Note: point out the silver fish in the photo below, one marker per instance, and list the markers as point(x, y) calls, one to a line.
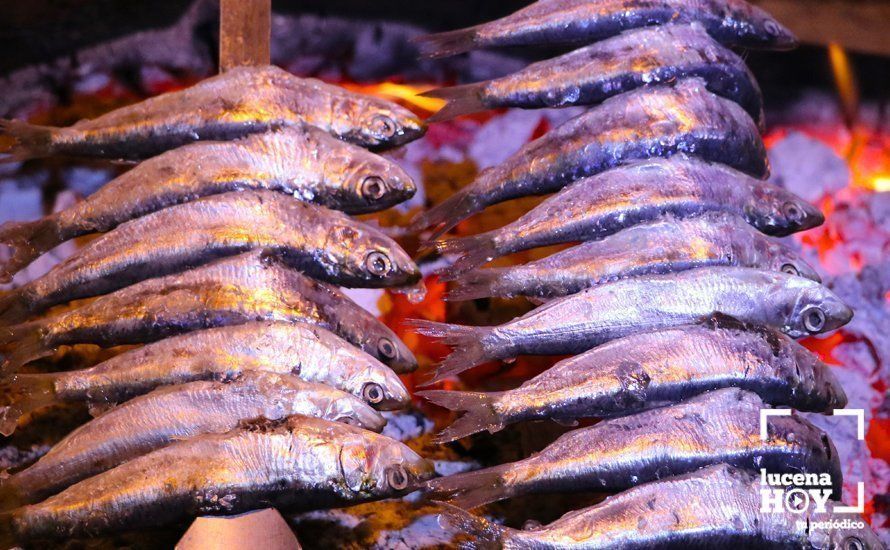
point(651, 369)
point(639, 57)
point(595, 207)
point(576, 323)
point(172, 413)
point(732, 22)
point(308, 352)
point(722, 426)
point(660, 121)
point(716, 507)
point(324, 244)
point(255, 286)
point(665, 245)
point(242, 101)
point(301, 161)
point(299, 463)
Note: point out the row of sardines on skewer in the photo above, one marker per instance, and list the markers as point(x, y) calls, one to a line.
point(679, 307)
point(254, 381)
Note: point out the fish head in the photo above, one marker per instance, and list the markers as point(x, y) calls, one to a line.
point(813, 447)
point(815, 309)
point(364, 257)
point(376, 183)
point(821, 390)
point(753, 27)
point(776, 211)
point(375, 466)
point(829, 530)
point(381, 124)
point(781, 257)
point(370, 380)
point(355, 412)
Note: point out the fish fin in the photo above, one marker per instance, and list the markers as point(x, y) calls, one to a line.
point(446, 44)
point(14, 307)
point(474, 251)
point(462, 100)
point(469, 349)
point(27, 241)
point(32, 141)
point(446, 214)
point(473, 489)
point(487, 535)
point(32, 392)
point(24, 342)
point(478, 409)
point(475, 284)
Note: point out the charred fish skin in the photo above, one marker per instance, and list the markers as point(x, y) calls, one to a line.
point(172, 413)
point(310, 352)
point(660, 121)
point(717, 427)
point(652, 369)
point(255, 286)
point(716, 507)
point(665, 245)
point(601, 205)
point(324, 244)
point(576, 323)
point(239, 102)
point(732, 22)
point(298, 463)
point(636, 58)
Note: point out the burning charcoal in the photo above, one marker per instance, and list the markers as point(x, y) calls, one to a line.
point(807, 167)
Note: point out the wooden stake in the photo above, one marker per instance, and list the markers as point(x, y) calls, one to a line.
point(244, 33)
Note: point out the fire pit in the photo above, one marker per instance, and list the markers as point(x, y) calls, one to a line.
point(827, 129)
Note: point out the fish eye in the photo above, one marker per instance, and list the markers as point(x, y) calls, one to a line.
point(373, 188)
point(790, 269)
point(397, 477)
point(378, 263)
point(372, 392)
point(772, 27)
point(384, 126)
point(813, 319)
point(853, 543)
point(387, 348)
point(792, 212)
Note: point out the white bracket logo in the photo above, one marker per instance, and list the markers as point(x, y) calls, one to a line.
point(860, 435)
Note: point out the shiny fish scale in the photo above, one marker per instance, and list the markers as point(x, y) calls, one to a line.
point(242, 101)
point(217, 226)
point(716, 507)
point(310, 352)
point(233, 291)
point(662, 246)
point(178, 412)
point(733, 22)
point(297, 464)
point(718, 427)
point(595, 315)
point(645, 56)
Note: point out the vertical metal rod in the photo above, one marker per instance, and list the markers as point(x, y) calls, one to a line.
point(244, 33)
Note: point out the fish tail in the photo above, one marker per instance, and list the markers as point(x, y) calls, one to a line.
point(486, 535)
point(446, 44)
point(27, 241)
point(31, 141)
point(21, 344)
point(32, 392)
point(474, 251)
point(446, 214)
point(469, 347)
point(462, 100)
point(473, 489)
point(475, 284)
point(14, 307)
point(478, 408)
